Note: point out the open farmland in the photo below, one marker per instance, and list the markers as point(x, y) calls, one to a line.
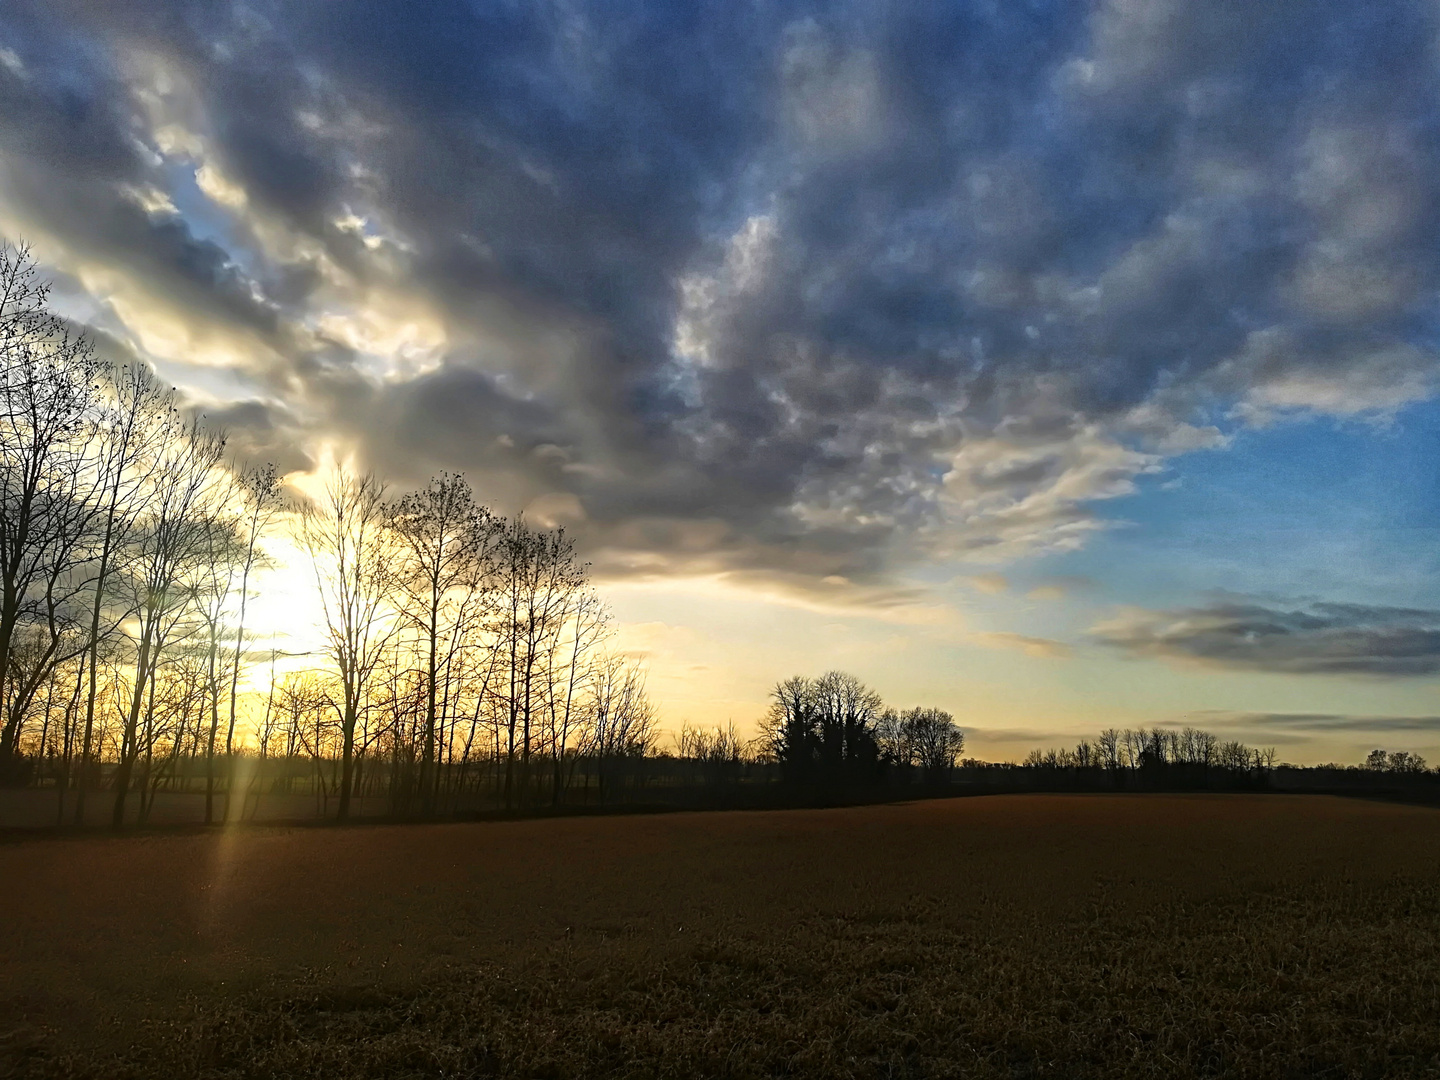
point(1037, 935)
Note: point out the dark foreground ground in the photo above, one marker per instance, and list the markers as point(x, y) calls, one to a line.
point(1013, 936)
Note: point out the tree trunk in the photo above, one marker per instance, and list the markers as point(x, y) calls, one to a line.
point(214, 688)
point(347, 768)
point(128, 738)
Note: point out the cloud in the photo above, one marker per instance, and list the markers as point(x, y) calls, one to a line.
point(1321, 722)
point(1028, 488)
point(1059, 587)
point(1312, 639)
point(1043, 648)
point(790, 293)
point(258, 431)
point(1046, 592)
point(1026, 738)
point(990, 584)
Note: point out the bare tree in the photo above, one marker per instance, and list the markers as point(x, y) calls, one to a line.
point(587, 622)
point(267, 731)
point(261, 500)
point(538, 578)
point(934, 740)
point(171, 545)
point(176, 700)
point(719, 753)
point(1108, 749)
point(622, 720)
point(25, 319)
point(136, 420)
point(442, 580)
point(351, 550)
point(224, 554)
point(48, 398)
point(308, 722)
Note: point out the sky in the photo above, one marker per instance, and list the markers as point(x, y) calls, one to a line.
point(1060, 365)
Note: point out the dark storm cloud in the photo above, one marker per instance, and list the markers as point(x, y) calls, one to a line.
point(1316, 639)
point(259, 432)
point(820, 287)
point(73, 162)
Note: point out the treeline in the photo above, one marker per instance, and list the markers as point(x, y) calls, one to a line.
point(1159, 756)
point(1401, 762)
point(1164, 759)
point(1152, 758)
point(463, 652)
point(466, 653)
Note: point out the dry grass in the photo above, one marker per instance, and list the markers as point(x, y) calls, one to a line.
point(1106, 936)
